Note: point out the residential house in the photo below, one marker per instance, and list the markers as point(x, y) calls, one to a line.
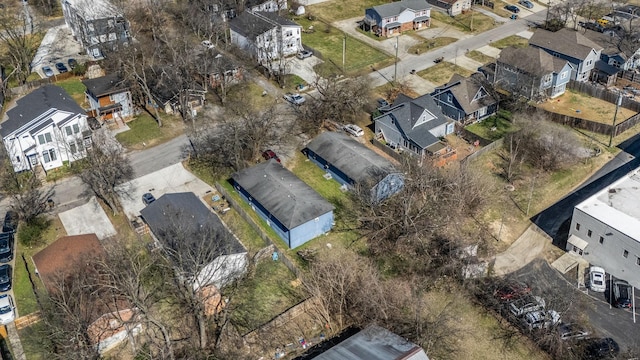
point(396, 17)
point(183, 225)
point(466, 100)
point(414, 125)
point(453, 7)
point(618, 54)
point(171, 96)
point(109, 323)
point(46, 128)
point(605, 229)
point(267, 37)
point(265, 5)
point(532, 73)
point(109, 98)
point(295, 211)
point(572, 46)
point(98, 25)
point(350, 162)
point(371, 343)
point(221, 70)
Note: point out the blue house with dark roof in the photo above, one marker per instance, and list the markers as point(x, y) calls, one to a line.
point(295, 211)
point(350, 162)
point(414, 125)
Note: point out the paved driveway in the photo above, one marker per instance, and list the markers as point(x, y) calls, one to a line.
point(172, 179)
point(57, 45)
point(87, 219)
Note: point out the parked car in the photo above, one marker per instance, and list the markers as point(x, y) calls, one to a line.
point(591, 26)
point(6, 247)
point(7, 309)
point(148, 198)
point(597, 280)
point(354, 130)
point(270, 154)
point(511, 291)
point(526, 3)
point(540, 319)
point(304, 54)
point(72, 63)
point(48, 72)
point(514, 9)
point(295, 99)
point(569, 331)
point(526, 304)
point(61, 68)
point(10, 223)
point(621, 294)
point(6, 273)
point(605, 348)
point(207, 44)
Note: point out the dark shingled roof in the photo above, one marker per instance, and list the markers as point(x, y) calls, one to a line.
point(395, 8)
point(250, 24)
point(37, 103)
point(564, 41)
point(282, 194)
point(465, 89)
point(532, 60)
point(105, 85)
point(181, 214)
point(351, 157)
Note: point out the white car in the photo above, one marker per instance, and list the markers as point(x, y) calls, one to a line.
point(540, 319)
point(295, 99)
point(597, 280)
point(207, 44)
point(7, 309)
point(354, 130)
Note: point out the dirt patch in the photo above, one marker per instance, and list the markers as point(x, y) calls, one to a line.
point(585, 107)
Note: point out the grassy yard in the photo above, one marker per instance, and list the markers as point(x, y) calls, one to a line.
point(471, 22)
point(585, 107)
point(76, 89)
point(479, 57)
point(442, 72)
point(251, 94)
point(513, 40)
point(342, 9)
point(144, 131)
point(493, 127)
point(30, 337)
point(431, 44)
point(328, 41)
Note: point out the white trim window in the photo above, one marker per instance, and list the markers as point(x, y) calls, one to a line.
point(49, 156)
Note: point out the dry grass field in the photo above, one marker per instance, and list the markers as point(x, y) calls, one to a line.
point(585, 107)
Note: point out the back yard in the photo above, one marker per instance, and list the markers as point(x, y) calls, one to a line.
point(582, 106)
point(342, 9)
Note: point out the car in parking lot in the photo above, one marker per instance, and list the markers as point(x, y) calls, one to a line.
point(72, 63)
point(597, 279)
point(61, 68)
point(621, 294)
point(10, 223)
point(7, 309)
point(295, 99)
point(207, 44)
point(48, 72)
point(6, 247)
point(526, 3)
point(354, 130)
point(591, 26)
point(571, 331)
point(6, 273)
point(526, 304)
point(270, 154)
point(304, 54)
point(514, 9)
point(540, 319)
point(511, 291)
point(148, 198)
point(592, 349)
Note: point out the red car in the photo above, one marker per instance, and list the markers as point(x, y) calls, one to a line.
point(511, 291)
point(269, 154)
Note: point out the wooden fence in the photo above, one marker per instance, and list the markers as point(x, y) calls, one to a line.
point(387, 150)
point(484, 149)
point(26, 88)
point(603, 93)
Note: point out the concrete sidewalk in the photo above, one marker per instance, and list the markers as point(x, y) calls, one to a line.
point(529, 246)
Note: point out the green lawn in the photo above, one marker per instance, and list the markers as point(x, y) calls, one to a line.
point(243, 230)
point(342, 9)
point(479, 57)
point(513, 40)
point(75, 88)
point(471, 22)
point(442, 72)
point(327, 42)
point(493, 127)
point(144, 131)
point(31, 339)
point(250, 93)
point(431, 44)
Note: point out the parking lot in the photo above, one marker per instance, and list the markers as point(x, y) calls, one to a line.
point(57, 45)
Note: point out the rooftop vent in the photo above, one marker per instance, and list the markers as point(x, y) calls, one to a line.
point(612, 191)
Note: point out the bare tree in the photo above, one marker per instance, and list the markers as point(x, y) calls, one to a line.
point(16, 31)
point(30, 199)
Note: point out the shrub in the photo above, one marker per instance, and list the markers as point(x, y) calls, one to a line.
point(30, 233)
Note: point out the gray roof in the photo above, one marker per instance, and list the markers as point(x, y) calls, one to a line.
point(612, 44)
point(374, 343)
point(105, 85)
point(465, 89)
point(282, 194)
point(564, 41)
point(185, 213)
point(250, 24)
point(37, 103)
point(531, 60)
point(395, 8)
point(95, 9)
point(406, 112)
point(355, 160)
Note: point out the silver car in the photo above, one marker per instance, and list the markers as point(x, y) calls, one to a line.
point(295, 99)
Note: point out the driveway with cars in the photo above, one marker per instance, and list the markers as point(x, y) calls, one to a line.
point(57, 45)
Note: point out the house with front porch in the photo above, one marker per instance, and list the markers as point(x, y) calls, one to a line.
point(109, 98)
point(396, 17)
point(45, 129)
point(466, 100)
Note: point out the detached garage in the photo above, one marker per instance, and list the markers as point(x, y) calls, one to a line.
point(295, 211)
point(350, 162)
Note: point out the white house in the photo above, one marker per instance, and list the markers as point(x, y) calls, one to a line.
point(605, 229)
point(46, 128)
point(265, 5)
point(266, 36)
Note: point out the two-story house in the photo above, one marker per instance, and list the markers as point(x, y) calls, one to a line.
point(466, 100)
point(618, 54)
point(109, 97)
point(46, 127)
point(532, 73)
point(98, 25)
point(396, 17)
point(266, 36)
point(572, 46)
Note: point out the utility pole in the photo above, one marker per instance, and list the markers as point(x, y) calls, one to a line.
point(613, 127)
point(395, 70)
